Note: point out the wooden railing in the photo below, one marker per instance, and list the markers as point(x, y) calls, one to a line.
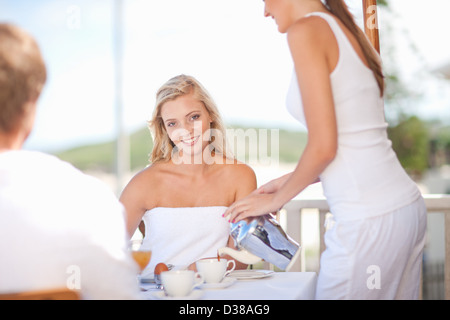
point(293, 223)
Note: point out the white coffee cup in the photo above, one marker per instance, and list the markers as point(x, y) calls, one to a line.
point(214, 270)
point(180, 283)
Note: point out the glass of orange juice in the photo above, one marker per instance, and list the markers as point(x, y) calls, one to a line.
point(140, 254)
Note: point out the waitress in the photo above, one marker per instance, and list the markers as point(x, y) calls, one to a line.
point(374, 248)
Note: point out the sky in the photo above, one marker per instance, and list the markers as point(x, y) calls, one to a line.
point(236, 53)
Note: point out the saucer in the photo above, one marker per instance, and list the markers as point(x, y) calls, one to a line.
point(251, 274)
point(194, 295)
point(226, 282)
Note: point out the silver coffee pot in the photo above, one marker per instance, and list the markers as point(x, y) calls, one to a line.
point(262, 238)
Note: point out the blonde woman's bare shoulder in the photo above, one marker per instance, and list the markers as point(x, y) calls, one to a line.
point(149, 174)
point(238, 167)
point(242, 173)
point(141, 188)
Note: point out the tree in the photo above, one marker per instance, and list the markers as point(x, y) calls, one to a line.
point(410, 135)
point(410, 140)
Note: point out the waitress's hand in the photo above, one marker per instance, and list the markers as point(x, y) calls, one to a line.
point(255, 204)
point(272, 186)
point(269, 187)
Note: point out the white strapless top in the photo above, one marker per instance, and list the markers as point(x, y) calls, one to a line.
point(181, 236)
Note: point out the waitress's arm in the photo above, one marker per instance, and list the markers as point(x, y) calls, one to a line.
point(312, 66)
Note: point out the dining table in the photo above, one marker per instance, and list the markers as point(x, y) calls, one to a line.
point(247, 285)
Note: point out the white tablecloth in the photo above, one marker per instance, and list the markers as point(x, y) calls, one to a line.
point(277, 286)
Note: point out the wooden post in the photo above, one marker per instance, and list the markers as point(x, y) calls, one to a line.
point(371, 22)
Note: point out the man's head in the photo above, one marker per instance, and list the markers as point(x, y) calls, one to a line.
point(22, 77)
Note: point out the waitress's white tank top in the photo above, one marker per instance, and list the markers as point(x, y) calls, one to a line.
point(365, 179)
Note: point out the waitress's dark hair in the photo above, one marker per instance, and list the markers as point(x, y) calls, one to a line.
point(340, 10)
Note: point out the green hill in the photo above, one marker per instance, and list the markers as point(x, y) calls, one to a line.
point(101, 156)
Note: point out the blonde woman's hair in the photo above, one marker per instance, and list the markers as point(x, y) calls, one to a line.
point(339, 9)
point(178, 86)
point(22, 75)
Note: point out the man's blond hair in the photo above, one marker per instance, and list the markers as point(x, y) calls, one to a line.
point(22, 75)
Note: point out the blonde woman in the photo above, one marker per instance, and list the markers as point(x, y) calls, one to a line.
point(191, 181)
point(374, 249)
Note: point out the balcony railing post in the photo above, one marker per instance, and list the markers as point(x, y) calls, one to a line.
point(322, 229)
point(294, 230)
point(447, 256)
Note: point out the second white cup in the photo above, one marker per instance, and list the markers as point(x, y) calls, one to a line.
point(213, 271)
point(180, 283)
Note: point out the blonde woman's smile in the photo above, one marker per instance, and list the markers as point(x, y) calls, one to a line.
point(191, 141)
